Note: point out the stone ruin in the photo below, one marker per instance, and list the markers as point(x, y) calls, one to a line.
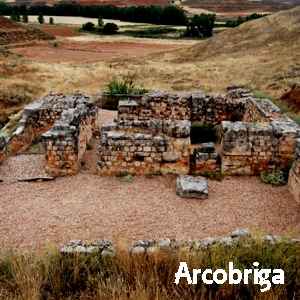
point(2, 149)
point(65, 123)
point(152, 135)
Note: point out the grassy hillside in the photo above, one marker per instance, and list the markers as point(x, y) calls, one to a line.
point(262, 55)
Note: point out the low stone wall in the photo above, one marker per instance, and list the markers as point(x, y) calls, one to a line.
point(250, 148)
point(240, 237)
point(204, 159)
point(294, 176)
point(158, 106)
point(195, 107)
point(66, 142)
point(145, 147)
point(217, 108)
point(40, 116)
point(2, 149)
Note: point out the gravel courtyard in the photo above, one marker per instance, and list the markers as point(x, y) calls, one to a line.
point(89, 207)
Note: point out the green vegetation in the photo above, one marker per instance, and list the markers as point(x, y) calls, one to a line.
point(15, 16)
point(274, 178)
point(100, 22)
point(25, 18)
point(169, 15)
point(211, 175)
point(200, 26)
point(51, 21)
point(153, 32)
point(202, 133)
point(41, 18)
point(89, 146)
point(110, 28)
point(52, 275)
point(125, 86)
point(89, 26)
point(240, 20)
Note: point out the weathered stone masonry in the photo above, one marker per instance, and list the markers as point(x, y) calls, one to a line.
point(2, 149)
point(294, 176)
point(255, 136)
point(145, 147)
point(66, 141)
point(66, 124)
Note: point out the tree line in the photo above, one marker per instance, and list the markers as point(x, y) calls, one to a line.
point(169, 15)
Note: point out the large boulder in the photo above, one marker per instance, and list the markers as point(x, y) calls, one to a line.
point(192, 187)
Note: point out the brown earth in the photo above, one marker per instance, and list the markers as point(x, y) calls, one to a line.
point(218, 6)
point(12, 32)
point(91, 51)
point(59, 31)
point(292, 97)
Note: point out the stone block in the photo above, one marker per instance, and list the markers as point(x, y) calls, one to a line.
point(192, 187)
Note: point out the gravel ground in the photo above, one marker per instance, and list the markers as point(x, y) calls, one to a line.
point(90, 207)
point(23, 167)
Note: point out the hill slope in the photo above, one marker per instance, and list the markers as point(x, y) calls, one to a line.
point(242, 5)
point(262, 54)
point(12, 32)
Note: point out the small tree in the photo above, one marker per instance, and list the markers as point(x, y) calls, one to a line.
point(18, 17)
point(100, 22)
point(25, 18)
point(13, 16)
point(51, 21)
point(110, 28)
point(89, 26)
point(41, 18)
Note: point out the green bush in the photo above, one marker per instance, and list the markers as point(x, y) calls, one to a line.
point(202, 133)
point(89, 26)
point(274, 178)
point(125, 86)
point(110, 28)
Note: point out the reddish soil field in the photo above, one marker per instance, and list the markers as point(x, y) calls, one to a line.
point(91, 51)
point(59, 31)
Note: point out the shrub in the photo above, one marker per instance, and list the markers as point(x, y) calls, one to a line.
point(202, 133)
point(110, 28)
point(125, 86)
point(51, 21)
point(89, 26)
point(41, 18)
point(89, 146)
point(274, 178)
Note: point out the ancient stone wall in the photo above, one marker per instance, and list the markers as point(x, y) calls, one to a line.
point(195, 107)
point(145, 147)
point(66, 141)
point(204, 159)
point(255, 135)
point(2, 149)
point(248, 148)
point(40, 116)
point(217, 108)
point(294, 176)
point(158, 106)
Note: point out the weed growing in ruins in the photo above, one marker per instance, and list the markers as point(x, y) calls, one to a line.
point(127, 178)
point(125, 86)
point(89, 146)
point(274, 178)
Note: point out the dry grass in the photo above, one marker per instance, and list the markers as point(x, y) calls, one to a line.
point(261, 55)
